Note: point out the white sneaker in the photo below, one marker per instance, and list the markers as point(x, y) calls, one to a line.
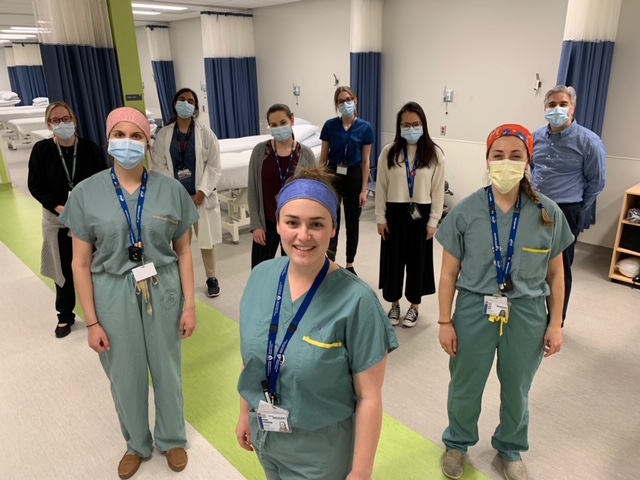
point(394, 315)
point(515, 470)
point(411, 318)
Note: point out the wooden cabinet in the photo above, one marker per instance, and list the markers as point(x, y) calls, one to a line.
point(628, 236)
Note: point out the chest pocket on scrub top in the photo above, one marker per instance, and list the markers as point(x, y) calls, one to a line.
point(533, 263)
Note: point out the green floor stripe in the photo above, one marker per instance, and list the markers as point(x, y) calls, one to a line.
point(211, 365)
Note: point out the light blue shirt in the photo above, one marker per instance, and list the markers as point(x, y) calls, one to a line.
point(568, 166)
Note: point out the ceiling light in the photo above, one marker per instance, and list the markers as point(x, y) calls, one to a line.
point(19, 32)
point(158, 7)
point(25, 29)
point(16, 37)
point(135, 12)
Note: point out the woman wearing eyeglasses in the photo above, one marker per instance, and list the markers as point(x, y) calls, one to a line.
point(346, 148)
point(56, 165)
point(409, 203)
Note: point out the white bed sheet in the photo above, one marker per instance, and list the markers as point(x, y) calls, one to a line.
point(301, 133)
point(42, 134)
point(235, 170)
point(26, 125)
point(11, 113)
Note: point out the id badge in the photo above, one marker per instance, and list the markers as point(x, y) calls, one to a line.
point(341, 169)
point(498, 306)
point(144, 271)
point(414, 213)
point(184, 174)
point(272, 418)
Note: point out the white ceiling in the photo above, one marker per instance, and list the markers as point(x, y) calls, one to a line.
point(20, 13)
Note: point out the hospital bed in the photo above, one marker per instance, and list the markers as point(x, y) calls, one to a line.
point(13, 113)
point(22, 129)
point(235, 154)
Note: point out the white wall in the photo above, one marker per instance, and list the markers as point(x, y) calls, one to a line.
point(303, 43)
point(188, 60)
point(151, 101)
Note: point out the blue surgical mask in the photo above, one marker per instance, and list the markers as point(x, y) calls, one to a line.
point(281, 133)
point(347, 108)
point(412, 135)
point(64, 130)
point(184, 109)
point(557, 116)
point(127, 152)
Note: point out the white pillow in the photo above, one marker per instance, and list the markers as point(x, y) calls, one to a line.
point(302, 132)
point(302, 121)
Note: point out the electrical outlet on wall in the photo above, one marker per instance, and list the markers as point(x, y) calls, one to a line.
point(443, 130)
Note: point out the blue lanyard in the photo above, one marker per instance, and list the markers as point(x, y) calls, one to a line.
point(503, 275)
point(346, 143)
point(411, 173)
point(125, 209)
point(283, 178)
point(273, 363)
point(182, 146)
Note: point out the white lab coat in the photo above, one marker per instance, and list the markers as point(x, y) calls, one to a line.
point(208, 173)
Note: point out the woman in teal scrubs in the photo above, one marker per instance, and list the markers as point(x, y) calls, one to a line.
point(312, 407)
point(136, 289)
point(500, 307)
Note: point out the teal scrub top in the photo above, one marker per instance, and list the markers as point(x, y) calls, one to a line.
point(345, 331)
point(94, 214)
point(466, 234)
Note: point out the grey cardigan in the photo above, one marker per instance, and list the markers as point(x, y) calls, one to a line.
point(256, 202)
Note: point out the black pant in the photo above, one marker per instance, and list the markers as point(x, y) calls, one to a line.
point(572, 213)
point(260, 253)
point(65, 296)
point(348, 188)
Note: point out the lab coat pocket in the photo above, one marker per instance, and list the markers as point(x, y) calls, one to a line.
point(533, 263)
point(211, 202)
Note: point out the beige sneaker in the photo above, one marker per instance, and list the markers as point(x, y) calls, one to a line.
point(515, 470)
point(453, 464)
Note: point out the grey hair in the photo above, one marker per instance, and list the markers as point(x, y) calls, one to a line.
point(562, 89)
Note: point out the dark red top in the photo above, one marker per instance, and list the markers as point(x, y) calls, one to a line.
point(271, 182)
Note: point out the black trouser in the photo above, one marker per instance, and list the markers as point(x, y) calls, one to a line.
point(260, 253)
point(348, 188)
point(65, 296)
point(572, 214)
point(406, 248)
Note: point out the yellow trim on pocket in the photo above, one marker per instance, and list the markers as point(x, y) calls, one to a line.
point(536, 250)
point(321, 344)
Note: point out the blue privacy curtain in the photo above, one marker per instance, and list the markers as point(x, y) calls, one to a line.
point(231, 73)
point(162, 64)
point(11, 69)
point(29, 75)
point(366, 68)
point(585, 62)
point(79, 61)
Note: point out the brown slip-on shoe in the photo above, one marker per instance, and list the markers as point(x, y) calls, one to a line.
point(129, 465)
point(177, 459)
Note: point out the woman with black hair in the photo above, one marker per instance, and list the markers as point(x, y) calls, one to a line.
point(409, 203)
point(188, 151)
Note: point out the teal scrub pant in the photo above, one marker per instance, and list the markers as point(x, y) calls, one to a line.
point(141, 343)
point(326, 453)
point(520, 350)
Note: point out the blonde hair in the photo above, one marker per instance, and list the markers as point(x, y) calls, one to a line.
point(528, 190)
point(52, 105)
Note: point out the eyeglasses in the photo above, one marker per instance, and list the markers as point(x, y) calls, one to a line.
point(348, 99)
point(56, 121)
point(407, 126)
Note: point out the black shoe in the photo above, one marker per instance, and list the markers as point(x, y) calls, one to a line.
point(62, 332)
point(213, 289)
point(352, 270)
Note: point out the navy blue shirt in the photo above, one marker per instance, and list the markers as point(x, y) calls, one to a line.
point(353, 139)
point(188, 159)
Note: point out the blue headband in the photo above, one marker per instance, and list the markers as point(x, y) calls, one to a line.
point(311, 190)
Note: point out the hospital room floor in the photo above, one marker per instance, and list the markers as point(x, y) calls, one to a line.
point(59, 422)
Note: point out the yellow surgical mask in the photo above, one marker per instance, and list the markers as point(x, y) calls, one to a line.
point(505, 174)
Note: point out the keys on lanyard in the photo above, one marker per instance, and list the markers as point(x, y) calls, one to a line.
point(504, 279)
point(136, 250)
point(274, 361)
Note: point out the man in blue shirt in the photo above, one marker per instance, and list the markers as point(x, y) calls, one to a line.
point(569, 167)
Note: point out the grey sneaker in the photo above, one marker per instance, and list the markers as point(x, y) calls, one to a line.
point(515, 470)
point(411, 318)
point(213, 287)
point(453, 464)
point(394, 315)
